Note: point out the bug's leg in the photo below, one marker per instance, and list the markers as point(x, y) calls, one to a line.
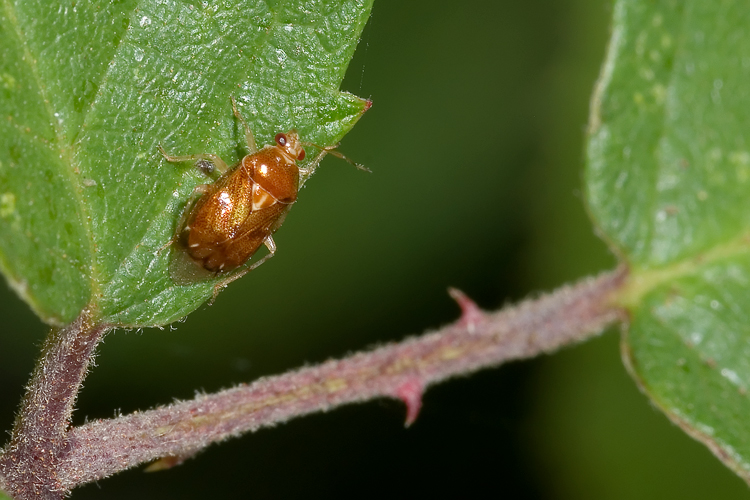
point(335, 152)
point(249, 137)
point(270, 244)
point(310, 168)
point(201, 158)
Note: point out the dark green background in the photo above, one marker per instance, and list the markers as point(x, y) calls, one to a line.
point(476, 144)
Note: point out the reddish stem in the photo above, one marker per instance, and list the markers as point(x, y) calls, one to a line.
point(29, 462)
point(402, 370)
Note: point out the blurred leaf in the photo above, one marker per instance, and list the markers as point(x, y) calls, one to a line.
point(668, 179)
point(87, 91)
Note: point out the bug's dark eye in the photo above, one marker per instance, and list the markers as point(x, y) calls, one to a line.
point(281, 139)
point(301, 155)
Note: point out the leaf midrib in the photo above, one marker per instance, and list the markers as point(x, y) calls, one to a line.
point(642, 280)
point(66, 154)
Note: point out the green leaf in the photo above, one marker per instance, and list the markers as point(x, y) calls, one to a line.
point(87, 92)
point(668, 184)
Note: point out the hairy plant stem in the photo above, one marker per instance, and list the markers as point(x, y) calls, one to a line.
point(401, 370)
point(46, 460)
point(30, 461)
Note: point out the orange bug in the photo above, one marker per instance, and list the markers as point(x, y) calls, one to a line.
point(224, 223)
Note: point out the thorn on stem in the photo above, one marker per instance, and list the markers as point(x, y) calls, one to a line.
point(471, 314)
point(410, 392)
point(165, 463)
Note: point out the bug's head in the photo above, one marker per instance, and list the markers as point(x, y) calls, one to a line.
point(291, 145)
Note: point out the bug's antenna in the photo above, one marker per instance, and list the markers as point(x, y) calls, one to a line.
point(335, 152)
